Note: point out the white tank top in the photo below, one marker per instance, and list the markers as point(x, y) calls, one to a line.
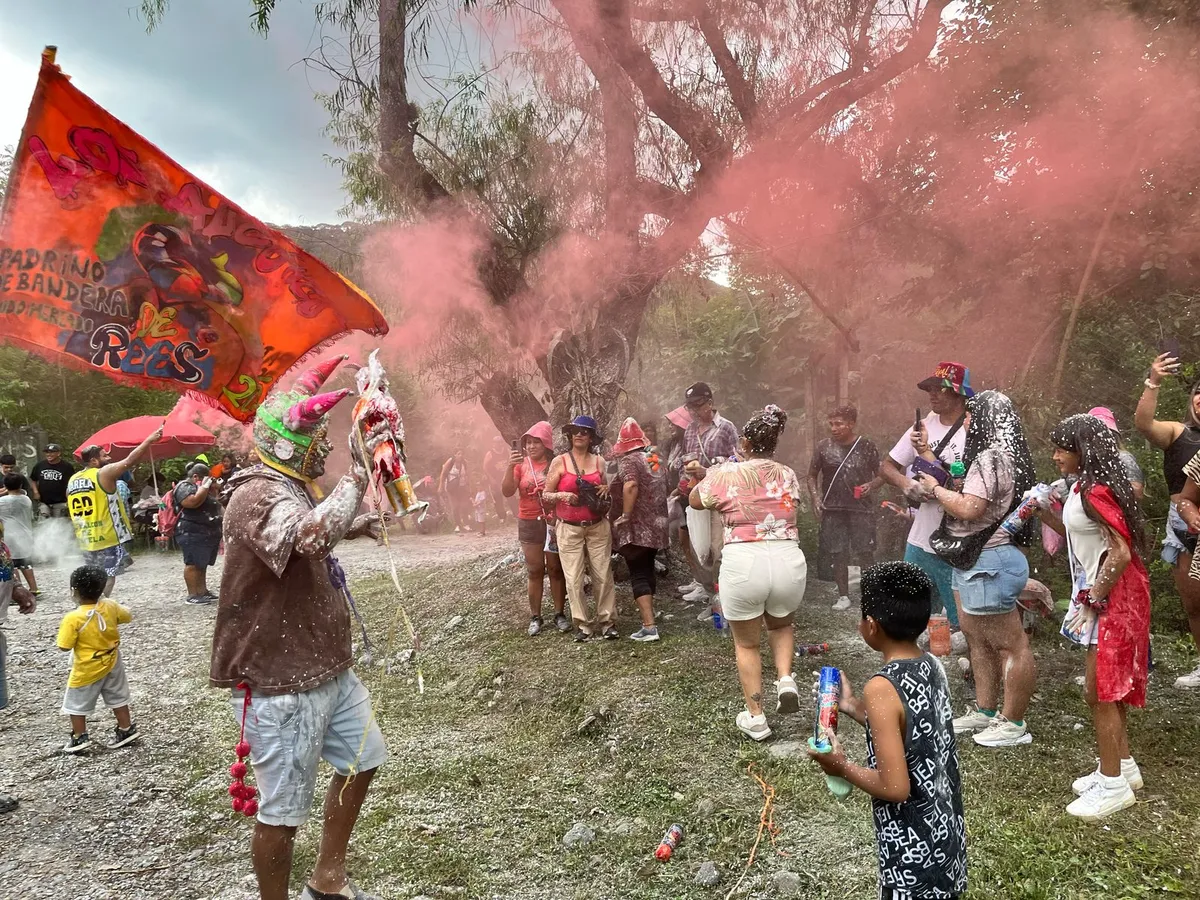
point(1086, 540)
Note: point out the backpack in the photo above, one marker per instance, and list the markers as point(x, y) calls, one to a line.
point(168, 514)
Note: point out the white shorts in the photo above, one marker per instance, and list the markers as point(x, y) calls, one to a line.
point(290, 734)
point(762, 576)
point(113, 687)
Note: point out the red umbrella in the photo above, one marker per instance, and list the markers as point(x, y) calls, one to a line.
point(180, 438)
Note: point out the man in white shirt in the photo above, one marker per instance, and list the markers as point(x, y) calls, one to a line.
point(941, 438)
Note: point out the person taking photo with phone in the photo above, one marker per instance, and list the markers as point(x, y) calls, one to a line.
point(1179, 442)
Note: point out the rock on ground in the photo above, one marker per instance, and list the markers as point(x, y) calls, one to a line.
point(707, 875)
point(786, 884)
point(578, 835)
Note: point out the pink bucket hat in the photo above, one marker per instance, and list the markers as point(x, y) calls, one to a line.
point(1105, 415)
point(541, 432)
point(631, 438)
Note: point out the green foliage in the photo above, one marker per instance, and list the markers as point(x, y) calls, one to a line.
point(69, 405)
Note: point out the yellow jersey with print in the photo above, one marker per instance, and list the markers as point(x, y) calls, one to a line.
point(91, 631)
point(100, 518)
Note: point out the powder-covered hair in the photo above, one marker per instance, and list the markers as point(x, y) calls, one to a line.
point(763, 430)
point(995, 425)
point(899, 596)
point(1100, 463)
point(845, 413)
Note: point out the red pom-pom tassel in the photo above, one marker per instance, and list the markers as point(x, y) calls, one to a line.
point(235, 789)
point(250, 808)
point(238, 770)
point(242, 749)
point(239, 804)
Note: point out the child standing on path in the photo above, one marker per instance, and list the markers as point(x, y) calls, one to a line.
point(92, 632)
point(480, 503)
point(16, 513)
point(912, 760)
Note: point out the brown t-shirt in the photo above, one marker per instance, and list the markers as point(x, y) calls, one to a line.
point(281, 627)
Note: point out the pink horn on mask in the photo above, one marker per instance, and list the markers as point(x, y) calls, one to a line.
point(310, 381)
point(308, 412)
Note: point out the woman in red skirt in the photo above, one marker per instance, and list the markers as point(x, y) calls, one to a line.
point(1110, 603)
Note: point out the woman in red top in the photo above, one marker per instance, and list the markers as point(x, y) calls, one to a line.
point(526, 476)
point(584, 534)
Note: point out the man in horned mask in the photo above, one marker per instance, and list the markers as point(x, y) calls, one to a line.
point(282, 640)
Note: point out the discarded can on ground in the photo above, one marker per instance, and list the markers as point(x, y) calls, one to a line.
point(672, 839)
point(812, 649)
point(939, 635)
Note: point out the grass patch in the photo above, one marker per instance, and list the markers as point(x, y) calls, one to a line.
point(488, 771)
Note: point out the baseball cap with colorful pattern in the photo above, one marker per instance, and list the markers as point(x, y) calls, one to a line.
point(950, 376)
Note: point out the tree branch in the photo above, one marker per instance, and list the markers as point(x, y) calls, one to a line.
point(739, 89)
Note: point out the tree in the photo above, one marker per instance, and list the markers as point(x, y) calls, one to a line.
point(666, 112)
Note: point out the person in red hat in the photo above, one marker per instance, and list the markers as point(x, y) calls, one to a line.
point(641, 520)
point(526, 477)
point(941, 438)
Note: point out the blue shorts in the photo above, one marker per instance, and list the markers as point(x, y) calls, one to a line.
point(991, 587)
point(940, 573)
point(290, 734)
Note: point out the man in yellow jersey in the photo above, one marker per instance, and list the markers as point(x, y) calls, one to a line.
point(101, 523)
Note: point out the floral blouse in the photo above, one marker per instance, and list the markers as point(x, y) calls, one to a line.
point(648, 524)
point(757, 499)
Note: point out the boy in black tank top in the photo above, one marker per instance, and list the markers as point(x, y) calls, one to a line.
point(912, 761)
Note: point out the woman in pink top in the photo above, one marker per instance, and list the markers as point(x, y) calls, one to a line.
point(763, 570)
point(526, 476)
point(584, 534)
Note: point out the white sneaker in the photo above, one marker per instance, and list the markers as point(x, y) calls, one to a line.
point(1129, 771)
point(974, 720)
point(843, 604)
point(1103, 797)
point(753, 727)
point(787, 694)
point(689, 587)
point(1190, 680)
point(958, 642)
point(699, 595)
point(1003, 733)
point(705, 614)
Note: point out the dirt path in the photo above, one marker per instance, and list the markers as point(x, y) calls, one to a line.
point(114, 824)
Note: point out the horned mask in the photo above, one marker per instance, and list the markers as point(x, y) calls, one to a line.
point(290, 426)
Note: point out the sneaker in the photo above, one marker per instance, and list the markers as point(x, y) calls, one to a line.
point(77, 743)
point(1190, 680)
point(689, 587)
point(705, 614)
point(1129, 771)
point(1103, 797)
point(123, 736)
point(610, 633)
point(199, 600)
point(562, 623)
point(1003, 733)
point(843, 604)
point(645, 635)
point(350, 891)
point(753, 727)
point(974, 720)
point(582, 637)
point(787, 695)
point(958, 643)
point(699, 595)
point(211, 595)
point(535, 625)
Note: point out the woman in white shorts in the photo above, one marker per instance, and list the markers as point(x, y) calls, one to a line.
point(763, 571)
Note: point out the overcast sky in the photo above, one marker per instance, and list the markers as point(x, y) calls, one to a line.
point(234, 109)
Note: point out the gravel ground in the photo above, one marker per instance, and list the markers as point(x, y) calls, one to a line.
point(142, 822)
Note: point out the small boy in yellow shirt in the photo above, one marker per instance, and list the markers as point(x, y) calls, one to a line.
point(91, 631)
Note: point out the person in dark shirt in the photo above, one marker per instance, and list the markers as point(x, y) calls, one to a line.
point(8, 466)
point(843, 473)
point(912, 772)
point(50, 478)
point(198, 532)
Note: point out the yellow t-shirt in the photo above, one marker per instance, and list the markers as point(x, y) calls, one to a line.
point(91, 631)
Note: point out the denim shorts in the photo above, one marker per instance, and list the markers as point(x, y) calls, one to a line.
point(991, 587)
point(290, 734)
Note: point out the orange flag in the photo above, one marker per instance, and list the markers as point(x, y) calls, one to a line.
point(113, 258)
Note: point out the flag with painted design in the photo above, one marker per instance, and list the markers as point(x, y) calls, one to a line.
point(114, 258)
